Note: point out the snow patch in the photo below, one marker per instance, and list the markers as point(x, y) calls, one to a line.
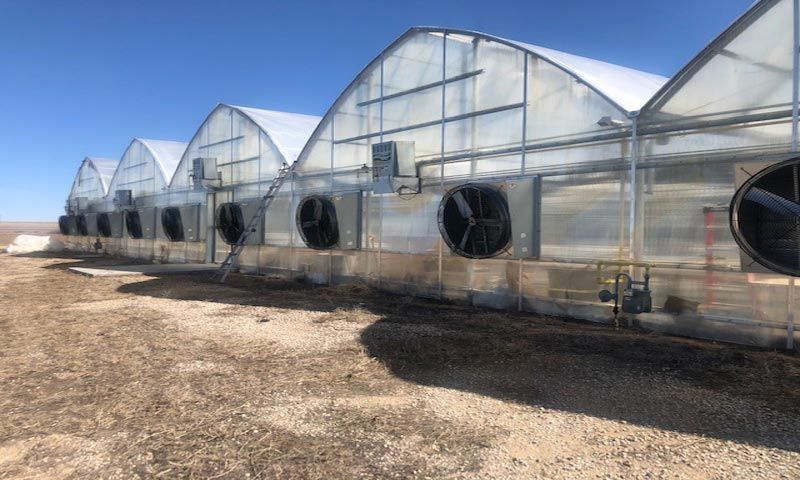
point(34, 243)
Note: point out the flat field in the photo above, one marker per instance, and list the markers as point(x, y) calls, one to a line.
point(178, 377)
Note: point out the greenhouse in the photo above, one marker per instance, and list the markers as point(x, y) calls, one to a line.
point(228, 165)
point(136, 192)
point(87, 196)
point(463, 166)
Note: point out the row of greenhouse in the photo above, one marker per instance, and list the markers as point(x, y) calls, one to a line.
point(463, 166)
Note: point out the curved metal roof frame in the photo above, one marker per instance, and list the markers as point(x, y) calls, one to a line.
point(104, 169)
point(695, 64)
point(266, 121)
point(538, 52)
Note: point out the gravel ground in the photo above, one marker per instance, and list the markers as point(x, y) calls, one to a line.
point(173, 376)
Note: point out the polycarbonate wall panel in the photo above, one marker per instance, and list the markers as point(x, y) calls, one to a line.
point(684, 207)
point(414, 63)
point(750, 73)
point(563, 109)
point(88, 185)
point(584, 216)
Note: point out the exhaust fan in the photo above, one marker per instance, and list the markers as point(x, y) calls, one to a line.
point(474, 221)
point(133, 223)
point(63, 224)
point(765, 217)
point(103, 225)
point(316, 222)
point(172, 224)
point(230, 222)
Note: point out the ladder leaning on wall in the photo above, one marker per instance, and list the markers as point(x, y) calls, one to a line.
point(221, 274)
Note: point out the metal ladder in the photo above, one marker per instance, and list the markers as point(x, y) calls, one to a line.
point(221, 274)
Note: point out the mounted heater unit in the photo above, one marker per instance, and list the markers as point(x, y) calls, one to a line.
point(205, 174)
point(123, 198)
point(82, 204)
point(394, 169)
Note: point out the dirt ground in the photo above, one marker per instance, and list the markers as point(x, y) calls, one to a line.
point(177, 377)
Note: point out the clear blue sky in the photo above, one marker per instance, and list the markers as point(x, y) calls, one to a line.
point(84, 77)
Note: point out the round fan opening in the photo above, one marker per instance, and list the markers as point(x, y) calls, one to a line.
point(474, 221)
point(81, 226)
point(316, 222)
point(765, 217)
point(63, 224)
point(172, 224)
point(133, 223)
point(103, 225)
point(230, 222)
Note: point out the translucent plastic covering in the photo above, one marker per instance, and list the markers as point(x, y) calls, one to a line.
point(145, 169)
point(746, 71)
point(91, 182)
point(249, 146)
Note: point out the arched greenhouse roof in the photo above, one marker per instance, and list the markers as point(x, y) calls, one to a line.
point(101, 168)
point(289, 132)
point(625, 89)
point(167, 154)
point(747, 67)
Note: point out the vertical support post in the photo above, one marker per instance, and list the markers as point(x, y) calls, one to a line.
point(330, 251)
point(633, 253)
point(380, 196)
point(708, 223)
point(523, 166)
point(795, 71)
point(441, 153)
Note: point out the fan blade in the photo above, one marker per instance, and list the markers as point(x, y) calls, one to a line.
point(317, 210)
point(463, 206)
point(776, 203)
point(309, 223)
point(489, 222)
point(465, 237)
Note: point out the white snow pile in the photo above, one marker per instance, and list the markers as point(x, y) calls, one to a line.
point(34, 243)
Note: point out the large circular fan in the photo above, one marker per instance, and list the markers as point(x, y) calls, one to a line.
point(474, 221)
point(765, 217)
point(316, 221)
point(103, 225)
point(172, 223)
point(133, 223)
point(230, 222)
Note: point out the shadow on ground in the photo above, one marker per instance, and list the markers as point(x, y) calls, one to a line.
point(703, 388)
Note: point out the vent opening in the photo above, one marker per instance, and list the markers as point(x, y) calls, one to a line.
point(172, 224)
point(133, 223)
point(63, 225)
point(474, 221)
point(81, 226)
point(103, 225)
point(230, 222)
point(765, 217)
point(316, 222)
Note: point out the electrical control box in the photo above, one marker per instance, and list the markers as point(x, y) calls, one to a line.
point(525, 206)
point(394, 169)
point(204, 173)
point(348, 219)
